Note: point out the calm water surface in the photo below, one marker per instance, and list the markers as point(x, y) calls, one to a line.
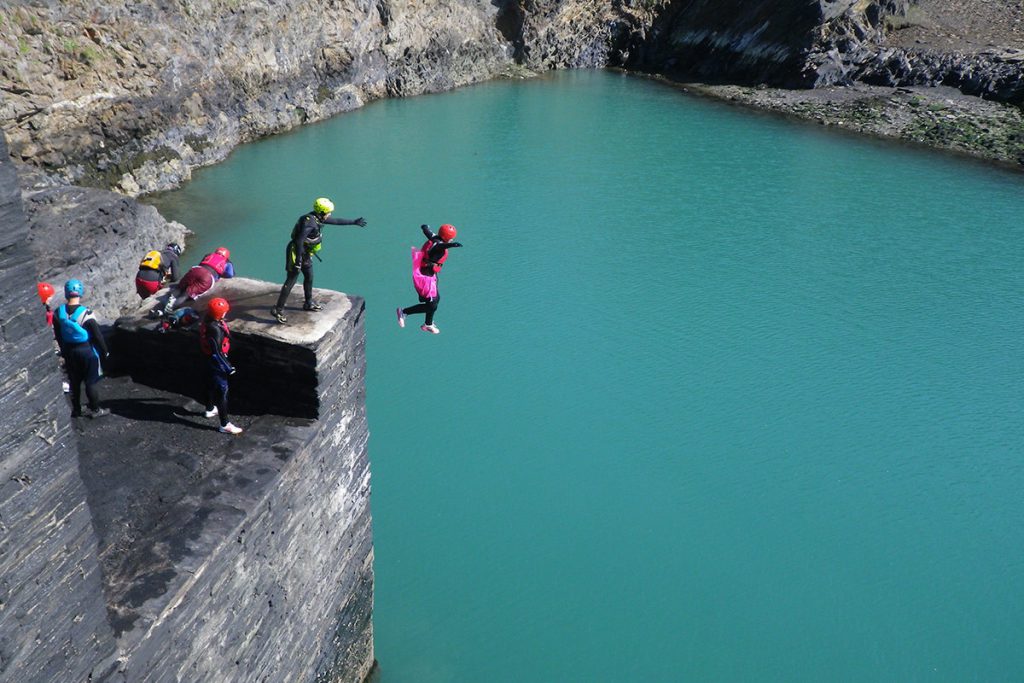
point(717, 397)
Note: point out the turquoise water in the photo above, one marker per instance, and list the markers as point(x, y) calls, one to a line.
point(717, 397)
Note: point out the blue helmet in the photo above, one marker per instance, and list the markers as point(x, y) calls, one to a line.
point(73, 288)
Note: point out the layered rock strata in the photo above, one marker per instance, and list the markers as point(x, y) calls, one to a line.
point(134, 95)
point(146, 546)
point(53, 624)
point(96, 96)
point(242, 558)
point(96, 236)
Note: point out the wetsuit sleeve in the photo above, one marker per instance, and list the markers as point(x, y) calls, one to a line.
point(438, 248)
point(175, 270)
point(56, 335)
point(219, 360)
point(95, 334)
point(341, 221)
point(426, 231)
point(229, 269)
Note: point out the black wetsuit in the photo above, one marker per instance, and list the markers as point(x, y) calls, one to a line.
point(218, 368)
point(435, 252)
point(307, 234)
point(81, 361)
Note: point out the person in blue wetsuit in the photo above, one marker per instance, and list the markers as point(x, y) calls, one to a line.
point(81, 345)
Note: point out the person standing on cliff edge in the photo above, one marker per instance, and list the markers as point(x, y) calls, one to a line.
point(215, 342)
point(82, 345)
point(306, 241)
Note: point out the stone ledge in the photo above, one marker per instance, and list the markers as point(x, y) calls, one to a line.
point(282, 369)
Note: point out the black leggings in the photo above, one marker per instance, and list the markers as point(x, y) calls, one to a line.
point(428, 306)
point(83, 368)
point(217, 394)
point(293, 276)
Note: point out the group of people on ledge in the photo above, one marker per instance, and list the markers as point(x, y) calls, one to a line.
point(83, 348)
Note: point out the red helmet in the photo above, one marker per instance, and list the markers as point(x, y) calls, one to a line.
point(45, 290)
point(218, 308)
point(223, 251)
point(447, 232)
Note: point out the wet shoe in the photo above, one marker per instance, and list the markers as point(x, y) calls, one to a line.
point(278, 315)
point(99, 412)
point(229, 429)
point(432, 329)
point(312, 306)
point(212, 413)
point(401, 317)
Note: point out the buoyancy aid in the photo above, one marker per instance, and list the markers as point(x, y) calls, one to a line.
point(436, 265)
point(313, 241)
point(215, 262)
point(425, 285)
point(151, 260)
point(204, 337)
point(71, 329)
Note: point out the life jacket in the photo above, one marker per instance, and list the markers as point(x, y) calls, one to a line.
point(204, 338)
point(313, 242)
point(215, 262)
point(436, 265)
point(71, 329)
point(151, 260)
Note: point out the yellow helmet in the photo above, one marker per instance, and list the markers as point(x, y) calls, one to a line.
point(323, 206)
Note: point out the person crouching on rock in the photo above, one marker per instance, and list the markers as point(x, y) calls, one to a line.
point(156, 268)
point(200, 279)
point(306, 241)
point(81, 345)
point(215, 342)
point(426, 264)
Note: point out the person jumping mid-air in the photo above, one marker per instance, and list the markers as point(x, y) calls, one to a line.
point(426, 264)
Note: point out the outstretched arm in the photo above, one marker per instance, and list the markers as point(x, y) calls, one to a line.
point(361, 222)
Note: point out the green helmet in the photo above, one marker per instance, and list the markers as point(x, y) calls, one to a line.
point(323, 206)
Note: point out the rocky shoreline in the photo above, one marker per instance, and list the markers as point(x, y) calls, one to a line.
point(937, 117)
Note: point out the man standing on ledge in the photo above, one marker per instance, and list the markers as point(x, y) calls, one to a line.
point(81, 344)
point(307, 237)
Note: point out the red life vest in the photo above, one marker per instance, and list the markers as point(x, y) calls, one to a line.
point(215, 261)
point(204, 338)
point(426, 257)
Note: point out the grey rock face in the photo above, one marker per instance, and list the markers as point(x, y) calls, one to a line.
point(53, 621)
point(135, 95)
point(789, 44)
point(94, 235)
point(241, 558)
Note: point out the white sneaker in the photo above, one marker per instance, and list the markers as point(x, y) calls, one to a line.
point(212, 413)
point(230, 429)
point(65, 387)
point(432, 329)
point(401, 317)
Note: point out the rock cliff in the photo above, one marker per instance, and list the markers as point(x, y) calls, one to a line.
point(146, 546)
point(133, 96)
